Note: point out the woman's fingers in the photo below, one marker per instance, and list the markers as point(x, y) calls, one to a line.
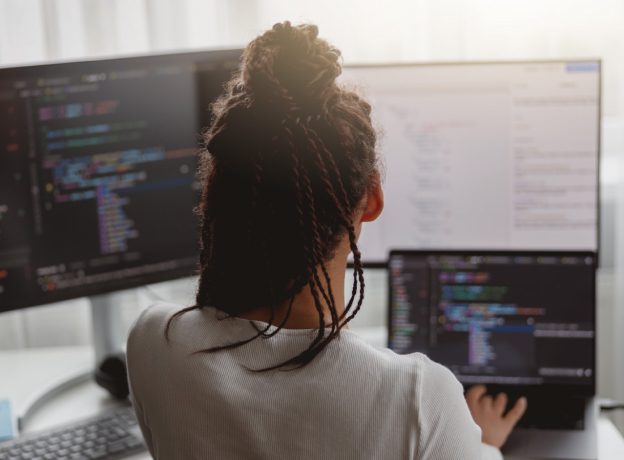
point(500, 403)
point(474, 394)
point(516, 412)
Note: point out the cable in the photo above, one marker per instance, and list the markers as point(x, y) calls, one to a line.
point(608, 405)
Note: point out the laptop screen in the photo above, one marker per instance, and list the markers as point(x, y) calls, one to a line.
point(497, 317)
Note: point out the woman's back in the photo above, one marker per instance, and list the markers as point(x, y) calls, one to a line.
point(351, 401)
point(290, 174)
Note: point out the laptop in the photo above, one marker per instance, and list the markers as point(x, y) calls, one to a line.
point(518, 322)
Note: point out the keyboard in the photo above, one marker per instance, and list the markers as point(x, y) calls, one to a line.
point(555, 413)
point(111, 435)
point(546, 411)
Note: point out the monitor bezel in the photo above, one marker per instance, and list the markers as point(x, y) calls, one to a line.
point(581, 389)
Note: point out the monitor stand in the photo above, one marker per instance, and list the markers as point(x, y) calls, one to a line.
point(106, 321)
point(107, 341)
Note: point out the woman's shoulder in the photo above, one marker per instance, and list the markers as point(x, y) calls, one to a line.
point(180, 327)
point(415, 365)
point(152, 322)
point(156, 313)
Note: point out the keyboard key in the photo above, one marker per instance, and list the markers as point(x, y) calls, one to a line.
point(99, 452)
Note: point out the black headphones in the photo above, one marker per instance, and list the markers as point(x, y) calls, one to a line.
point(112, 375)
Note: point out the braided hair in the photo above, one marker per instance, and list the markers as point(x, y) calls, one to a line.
point(289, 157)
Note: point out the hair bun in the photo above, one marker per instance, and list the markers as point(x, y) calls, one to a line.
point(291, 67)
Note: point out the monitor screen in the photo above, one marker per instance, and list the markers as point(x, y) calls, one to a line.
point(500, 156)
point(98, 172)
point(503, 318)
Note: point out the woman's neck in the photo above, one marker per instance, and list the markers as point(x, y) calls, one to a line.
point(304, 314)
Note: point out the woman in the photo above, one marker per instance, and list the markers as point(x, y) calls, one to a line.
point(263, 365)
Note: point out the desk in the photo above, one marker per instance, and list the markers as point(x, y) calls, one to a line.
point(24, 371)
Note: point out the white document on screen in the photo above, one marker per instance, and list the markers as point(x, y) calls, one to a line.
point(485, 156)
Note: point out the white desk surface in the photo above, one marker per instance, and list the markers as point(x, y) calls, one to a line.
point(23, 372)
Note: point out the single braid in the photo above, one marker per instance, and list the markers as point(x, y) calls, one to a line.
point(318, 148)
point(329, 298)
point(358, 274)
point(357, 259)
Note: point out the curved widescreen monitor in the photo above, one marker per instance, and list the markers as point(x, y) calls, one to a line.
point(97, 172)
point(498, 156)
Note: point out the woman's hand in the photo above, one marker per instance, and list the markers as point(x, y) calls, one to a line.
point(489, 414)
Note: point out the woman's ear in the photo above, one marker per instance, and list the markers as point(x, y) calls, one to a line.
point(374, 201)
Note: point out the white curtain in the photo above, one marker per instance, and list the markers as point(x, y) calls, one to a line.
point(365, 31)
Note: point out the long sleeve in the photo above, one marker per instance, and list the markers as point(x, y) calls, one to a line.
point(491, 452)
point(447, 429)
point(136, 403)
point(147, 434)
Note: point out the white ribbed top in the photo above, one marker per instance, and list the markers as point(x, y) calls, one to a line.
point(352, 402)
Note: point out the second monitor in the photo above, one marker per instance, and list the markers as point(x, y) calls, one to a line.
point(500, 155)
